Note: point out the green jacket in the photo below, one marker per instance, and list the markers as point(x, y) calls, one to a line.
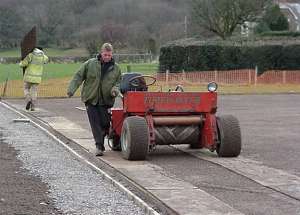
point(96, 89)
point(33, 63)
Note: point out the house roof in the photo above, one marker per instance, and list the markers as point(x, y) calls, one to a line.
point(286, 1)
point(293, 8)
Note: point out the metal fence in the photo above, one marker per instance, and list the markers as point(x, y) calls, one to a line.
point(240, 77)
point(48, 88)
point(120, 58)
point(134, 58)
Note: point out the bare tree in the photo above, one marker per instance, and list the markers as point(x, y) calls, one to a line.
point(78, 7)
point(223, 16)
point(10, 28)
point(131, 24)
point(138, 35)
point(48, 16)
point(114, 33)
point(92, 40)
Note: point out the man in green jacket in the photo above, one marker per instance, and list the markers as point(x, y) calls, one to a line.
point(100, 77)
point(33, 64)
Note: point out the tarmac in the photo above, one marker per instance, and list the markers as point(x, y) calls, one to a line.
point(68, 117)
point(177, 194)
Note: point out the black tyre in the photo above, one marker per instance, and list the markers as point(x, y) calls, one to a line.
point(135, 138)
point(229, 136)
point(116, 144)
point(195, 146)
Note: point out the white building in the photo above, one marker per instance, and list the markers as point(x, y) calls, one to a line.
point(292, 13)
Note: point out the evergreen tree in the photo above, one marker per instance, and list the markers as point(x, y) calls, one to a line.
point(275, 19)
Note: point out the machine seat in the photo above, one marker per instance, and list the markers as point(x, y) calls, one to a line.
point(139, 84)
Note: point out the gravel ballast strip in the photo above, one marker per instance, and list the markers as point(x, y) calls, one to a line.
point(75, 188)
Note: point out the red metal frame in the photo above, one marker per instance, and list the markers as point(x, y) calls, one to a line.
point(169, 103)
point(117, 120)
point(208, 132)
point(149, 104)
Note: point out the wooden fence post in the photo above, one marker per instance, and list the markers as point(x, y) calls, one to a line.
point(284, 77)
point(255, 75)
point(249, 76)
point(167, 78)
point(128, 69)
point(4, 88)
point(183, 76)
point(216, 76)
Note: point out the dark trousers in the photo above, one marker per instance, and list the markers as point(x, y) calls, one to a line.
point(99, 119)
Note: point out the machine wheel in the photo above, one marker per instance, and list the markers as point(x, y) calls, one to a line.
point(229, 136)
point(195, 146)
point(116, 145)
point(134, 138)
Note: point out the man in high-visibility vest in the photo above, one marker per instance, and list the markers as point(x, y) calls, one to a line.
point(33, 64)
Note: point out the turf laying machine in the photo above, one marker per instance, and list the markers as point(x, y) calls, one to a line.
point(148, 119)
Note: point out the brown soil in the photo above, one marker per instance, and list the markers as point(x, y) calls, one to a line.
point(21, 193)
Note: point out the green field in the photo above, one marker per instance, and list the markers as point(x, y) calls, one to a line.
point(51, 71)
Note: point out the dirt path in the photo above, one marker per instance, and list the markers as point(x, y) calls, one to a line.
point(20, 193)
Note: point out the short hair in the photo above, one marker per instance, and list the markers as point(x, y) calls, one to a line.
point(39, 47)
point(106, 47)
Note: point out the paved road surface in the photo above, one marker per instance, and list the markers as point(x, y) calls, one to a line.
point(266, 173)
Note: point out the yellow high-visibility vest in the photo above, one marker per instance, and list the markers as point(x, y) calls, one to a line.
point(34, 62)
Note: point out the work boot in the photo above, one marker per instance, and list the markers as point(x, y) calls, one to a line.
point(102, 147)
point(99, 149)
point(99, 152)
point(28, 105)
point(32, 107)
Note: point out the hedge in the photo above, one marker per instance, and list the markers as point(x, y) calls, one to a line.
point(280, 34)
point(201, 56)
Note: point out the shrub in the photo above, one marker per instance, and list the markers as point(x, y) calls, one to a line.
point(228, 56)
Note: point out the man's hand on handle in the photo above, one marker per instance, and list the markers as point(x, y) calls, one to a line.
point(114, 92)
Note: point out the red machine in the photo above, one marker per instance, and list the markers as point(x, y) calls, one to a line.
point(148, 119)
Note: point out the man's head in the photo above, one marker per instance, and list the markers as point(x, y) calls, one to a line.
point(106, 52)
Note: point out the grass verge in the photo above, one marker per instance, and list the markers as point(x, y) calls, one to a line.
point(58, 88)
point(55, 70)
